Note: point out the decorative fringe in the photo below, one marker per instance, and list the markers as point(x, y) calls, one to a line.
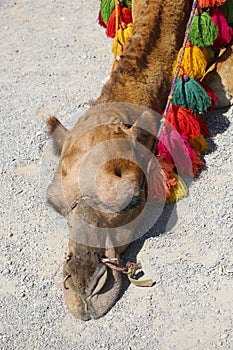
point(194, 62)
point(125, 18)
point(111, 25)
point(106, 8)
point(208, 53)
point(168, 171)
point(178, 191)
point(225, 32)
point(210, 3)
point(120, 41)
point(126, 15)
point(211, 94)
point(100, 20)
point(197, 164)
point(203, 31)
point(199, 144)
point(206, 3)
point(175, 149)
point(190, 94)
point(183, 121)
point(203, 127)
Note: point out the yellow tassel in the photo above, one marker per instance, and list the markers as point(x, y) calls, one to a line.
point(178, 191)
point(193, 64)
point(121, 38)
point(208, 58)
point(199, 144)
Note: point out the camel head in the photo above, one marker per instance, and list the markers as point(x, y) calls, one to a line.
point(99, 186)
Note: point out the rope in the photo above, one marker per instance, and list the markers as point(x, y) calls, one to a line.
point(178, 68)
point(94, 200)
point(129, 270)
point(116, 37)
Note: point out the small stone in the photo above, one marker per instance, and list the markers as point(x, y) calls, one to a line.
point(219, 343)
point(224, 336)
point(5, 272)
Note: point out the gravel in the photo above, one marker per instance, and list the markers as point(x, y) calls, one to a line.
point(55, 59)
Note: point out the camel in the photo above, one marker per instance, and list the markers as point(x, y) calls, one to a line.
point(219, 78)
point(99, 158)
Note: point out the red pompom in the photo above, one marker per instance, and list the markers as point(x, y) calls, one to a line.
point(125, 18)
point(111, 25)
point(126, 15)
point(203, 127)
point(183, 120)
point(211, 95)
point(100, 20)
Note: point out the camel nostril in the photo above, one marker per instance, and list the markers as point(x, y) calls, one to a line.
point(118, 172)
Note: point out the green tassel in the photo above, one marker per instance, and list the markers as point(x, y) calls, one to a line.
point(203, 31)
point(106, 8)
point(189, 93)
point(127, 3)
point(227, 8)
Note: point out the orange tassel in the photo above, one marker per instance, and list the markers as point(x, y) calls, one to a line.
point(197, 164)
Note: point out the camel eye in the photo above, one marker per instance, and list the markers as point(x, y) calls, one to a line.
point(118, 172)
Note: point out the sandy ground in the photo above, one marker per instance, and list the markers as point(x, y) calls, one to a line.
point(54, 59)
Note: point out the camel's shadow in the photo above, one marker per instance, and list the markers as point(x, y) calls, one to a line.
point(217, 123)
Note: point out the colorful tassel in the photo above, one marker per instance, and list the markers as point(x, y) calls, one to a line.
point(111, 25)
point(183, 121)
point(211, 94)
point(197, 164)
point(225, 32)
point(167, 168)
point(125, 18)
point(210, 3)
point(194, 62)
point(100, 20)
point(203, 31)
point(178, 191)
point(128, 3)
point(206, 3)
point(203, 127)
point(126, 14)
point(199, 144)
point(120, 40)
point(106, 8)
point(173, 148)
point(220, 2)
point(189, 93)
point(208, 53)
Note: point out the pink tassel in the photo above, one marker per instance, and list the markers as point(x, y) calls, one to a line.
point(173, 147)
point(225, 32)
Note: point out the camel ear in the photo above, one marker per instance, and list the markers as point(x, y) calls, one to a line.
point(145, 129)
point(55, 195)
point(58, 133)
